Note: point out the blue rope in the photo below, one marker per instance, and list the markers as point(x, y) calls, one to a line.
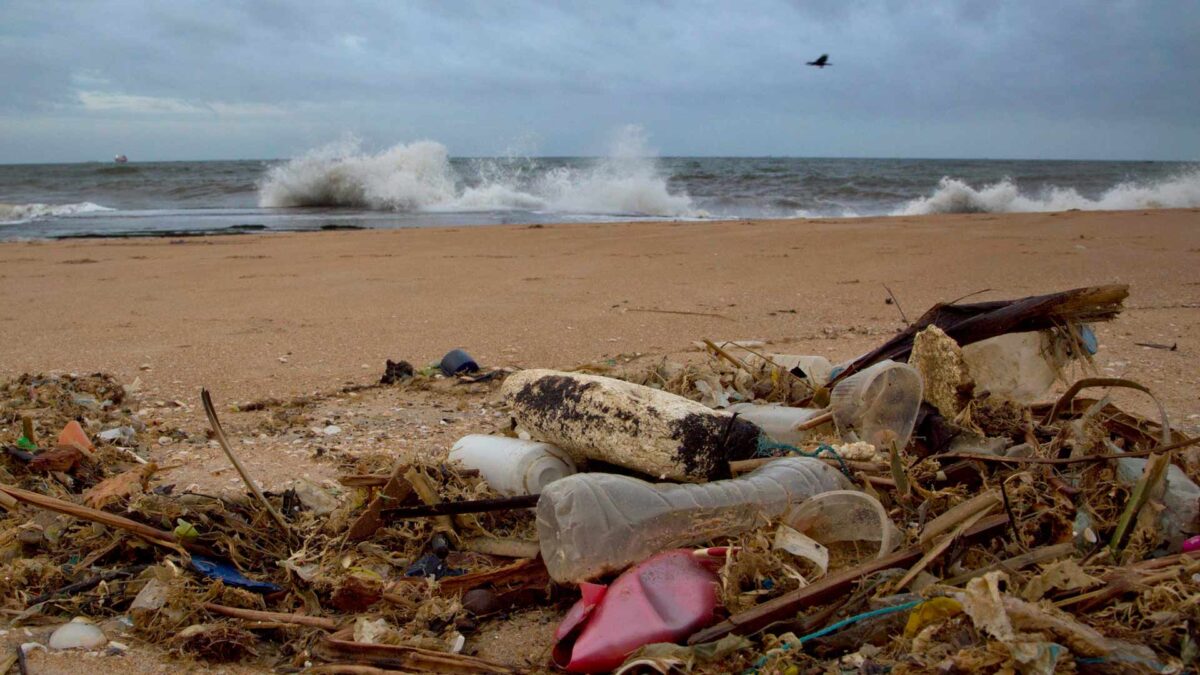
point(834, 627)
point(768, 447)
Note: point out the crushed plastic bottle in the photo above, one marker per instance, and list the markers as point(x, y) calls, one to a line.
point(594, 523)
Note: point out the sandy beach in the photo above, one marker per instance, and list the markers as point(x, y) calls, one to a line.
point(282, 314)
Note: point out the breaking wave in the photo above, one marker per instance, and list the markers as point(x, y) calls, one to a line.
point(12, 214)
point(420, 177)
point(955, 196)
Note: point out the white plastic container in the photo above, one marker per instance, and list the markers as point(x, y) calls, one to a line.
point(513, 466)
point(777, 421)
point(593, 523)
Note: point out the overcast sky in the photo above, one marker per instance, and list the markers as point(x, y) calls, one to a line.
point(267, 79)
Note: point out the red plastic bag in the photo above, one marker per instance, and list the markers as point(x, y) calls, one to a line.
point(663, 599)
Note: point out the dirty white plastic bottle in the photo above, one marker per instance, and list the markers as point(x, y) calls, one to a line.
point(512, 466)
point(777, 421)
point(592, 523)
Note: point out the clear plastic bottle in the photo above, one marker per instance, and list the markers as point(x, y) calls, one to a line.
point(592, 523)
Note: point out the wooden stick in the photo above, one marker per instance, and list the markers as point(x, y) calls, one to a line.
point(677, 311)
point(471, 506)
point(86, 584)
point(1014, 563)
point(151, 534)
point(280, 617)
point(957, 514)
point(814, 422)
point(785, 606)
point(1061, 460)
point(211, 411)
point(741, 466)
point(940, 547)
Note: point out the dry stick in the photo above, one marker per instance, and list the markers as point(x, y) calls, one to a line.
point(281, 617)
point(676, 311)
point(1059, 460)
point(739, 466)
point(1152, 475)
point(456, 508)
point(896, 301)
point(814, 422)
point(940, 547)
point(727, 356)
point(86, 584)
point(1086, 382)
point(151, 534)
point(237, 464)
point(1014, 563)
point(22, 664)
point(9, 661)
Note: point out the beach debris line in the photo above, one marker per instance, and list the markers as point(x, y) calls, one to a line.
point(972, 526)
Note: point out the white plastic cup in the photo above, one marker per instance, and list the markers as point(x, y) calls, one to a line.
point(512, 466)
point(879, 404)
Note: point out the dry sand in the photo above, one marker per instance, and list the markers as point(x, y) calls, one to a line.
point(276, 315)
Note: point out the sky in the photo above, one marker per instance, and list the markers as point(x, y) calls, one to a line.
point(180, 80)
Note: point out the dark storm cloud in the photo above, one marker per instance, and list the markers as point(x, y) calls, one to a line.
point(970, 78)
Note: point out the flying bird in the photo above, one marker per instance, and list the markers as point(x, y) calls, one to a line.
point(821, 62)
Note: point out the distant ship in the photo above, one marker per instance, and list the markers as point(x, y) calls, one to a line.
point(120, 159)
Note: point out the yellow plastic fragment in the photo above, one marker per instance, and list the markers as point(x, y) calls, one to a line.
point(930, 612)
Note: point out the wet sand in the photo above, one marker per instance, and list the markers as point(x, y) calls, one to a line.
point(276, 315)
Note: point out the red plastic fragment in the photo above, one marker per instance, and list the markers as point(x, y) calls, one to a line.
point(663, 599)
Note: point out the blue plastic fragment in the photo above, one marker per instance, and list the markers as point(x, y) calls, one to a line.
point(1090, 343)
point(430, 565)
point(219, 569)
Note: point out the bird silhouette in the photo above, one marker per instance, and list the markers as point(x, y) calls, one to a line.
point(821, 62)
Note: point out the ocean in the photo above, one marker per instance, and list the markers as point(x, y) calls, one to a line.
point(342, 186)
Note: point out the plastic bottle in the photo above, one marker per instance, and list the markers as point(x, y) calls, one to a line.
point(512, 466)
point(777, 421)
point(878, 405)
point(593, 523)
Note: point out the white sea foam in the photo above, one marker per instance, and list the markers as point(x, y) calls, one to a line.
point(420, 177)
point(955, 196)
point(13, 214)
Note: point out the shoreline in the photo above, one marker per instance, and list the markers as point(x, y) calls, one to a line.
point(280, 314)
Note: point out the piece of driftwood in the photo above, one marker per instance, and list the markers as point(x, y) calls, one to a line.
point(525, 573)
point(641, 428)
point(341, 647)
point(974, 322)
point(787, 605)
point(455, 508)
point(274, 617)
point(151, 534)
point(395, 490)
